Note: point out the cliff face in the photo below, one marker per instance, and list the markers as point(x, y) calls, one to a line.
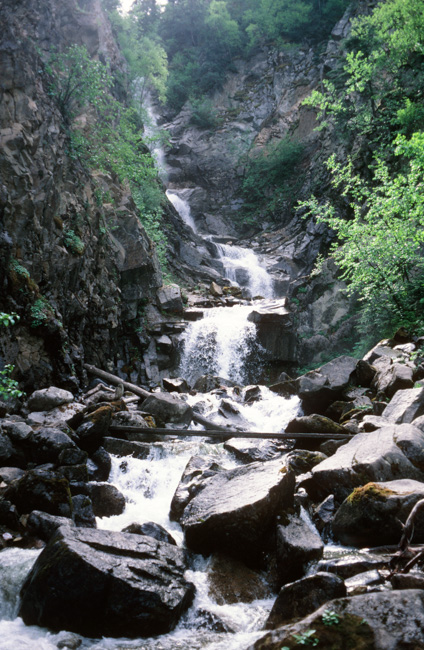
point(75, 268)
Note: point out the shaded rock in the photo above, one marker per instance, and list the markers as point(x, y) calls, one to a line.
point(231, 581)
point(195, 476)
point(169, 298)
point(373, 621)
point(301, 461)
point(119, 447)
point(274, 327)
point(41, 489)
point(373, 514)
point(44, 525)
point(387, 454)
point(72, 456)
point(129, 419)
point(351, 565)
point(99, 465)
point(74, 473)
point(318, 388)
point(150, 529)
point(323, 514)
point(252, 394)
point(329, 447)
point(365, 373)
point(409, 581)
point(9, 474)
point(9, 454)
point(82, 511)
point(177, 385)
point(405, 406)
point(9, 515)
point(300, 598)
point(167, 408)
point(382, 350)
point(236, 509)
point(18, 432)
point(101, 583)
point(47, 444)
point(106, 499)
point(314, 424)
point(95, 426)
point(296, 546)
point(48, 398)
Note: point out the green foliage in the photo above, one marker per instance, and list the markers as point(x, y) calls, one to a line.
point(379, 248)
point(41, 311)
point(329, 616)
point(271, 176)
point(307, 638)
point(73, 243)
point(203, 115)
point(9, 387)
point(18, 269)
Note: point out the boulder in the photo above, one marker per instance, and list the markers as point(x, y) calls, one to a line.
point(236, 510)
point(102, 583)
point(150, 529)
point(18, 432)
point(297, 545)
point(382, 350)
point(48, 398)
point(390, 620)
point(216, 290)
point(352, 564)
point(177, 385)
point(314, 424)
point(275, 331)
point(389, 453)
point(41, 489)
point(231, 581)
point(197, 473)
point(206, 383)
point(300, 598)
point(373, 514)
point(82, 511)
point(119, 447)
point(44, 525)
point(94, 427)
point(129, 419)
point(168, 409)
point(405, 406)
point(107, 500)
point(47, 444)
point(99, 465)
point(318, 388)
point(169, 298)
point(250, 451)
point(9, 454)
point(391, 377)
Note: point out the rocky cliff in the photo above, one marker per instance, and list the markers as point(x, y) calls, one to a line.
point(74, 267)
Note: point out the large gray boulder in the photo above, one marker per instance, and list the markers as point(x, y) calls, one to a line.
point(405, 406)
point(167, 408)
point(297, 545)
point(48, 398)
point(236, 510)
point(275, 330)
point(318, 388)
point(196, 474)
point(373, 514)
point(102, 583)
point(392, 452)
point(390, 620)
point(391, 377)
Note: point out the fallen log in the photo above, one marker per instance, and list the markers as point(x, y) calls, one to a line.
point(219, 433)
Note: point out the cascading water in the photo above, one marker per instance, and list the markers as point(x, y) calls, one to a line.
point(182, 207)
point(243, 267)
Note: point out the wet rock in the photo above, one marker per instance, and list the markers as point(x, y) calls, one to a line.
point(195, 477)
point(41, 489)
point(107, 500)
point(169, 298)
point(250, 451)
point(373, 514)
point(74, 473)
point(231, 581)
point(323, 515)
point(168, 409)
point(82, 511)
point(129, 419)
point(297, 545)
point(274, 327)
point(177, 385)
point(300, 598)
point(252, 394)
point(389, 453)
point(206, 383)
point(99, 465)
point(301, 461)
point(9, 454)
point(373, 621)
point(9, 515)
point(69, 641)
point(150, 529)
point(405, 406)
point(234, 512)
point(119, 447)
point(48, 398)
point(44, 525)
point(101, 583)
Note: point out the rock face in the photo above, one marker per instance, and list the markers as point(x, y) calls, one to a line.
point(100, 583)
point(71, 303)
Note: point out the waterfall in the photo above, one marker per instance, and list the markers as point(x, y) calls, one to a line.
point(242, 266)
point(182, 206)
point(223, 343)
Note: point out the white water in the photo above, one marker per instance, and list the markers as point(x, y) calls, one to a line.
point(153, 140)
point(242, 266)
point(221, 344)
point(182, 207)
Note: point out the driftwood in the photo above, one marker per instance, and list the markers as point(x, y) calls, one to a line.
point(219, 433)
point(405, 552)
